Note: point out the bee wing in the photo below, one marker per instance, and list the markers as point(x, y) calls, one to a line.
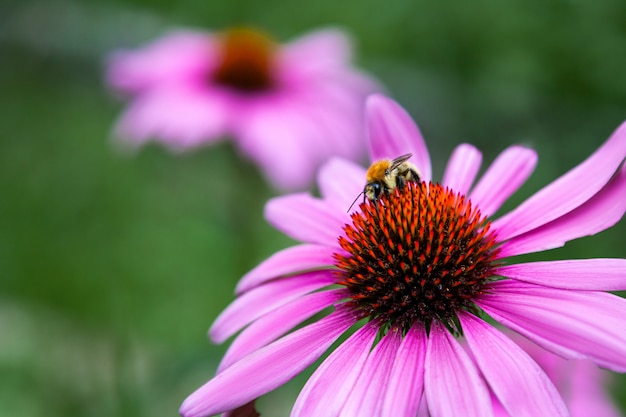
point(399, 161)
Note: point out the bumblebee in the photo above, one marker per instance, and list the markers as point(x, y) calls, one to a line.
point(385, 175)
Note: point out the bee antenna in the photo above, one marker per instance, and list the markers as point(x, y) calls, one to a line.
point(357, 197)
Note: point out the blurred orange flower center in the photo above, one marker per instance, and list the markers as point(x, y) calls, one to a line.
point(246, 61)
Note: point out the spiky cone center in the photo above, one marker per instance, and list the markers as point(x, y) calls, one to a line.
point(419, 254)
point(246, 61)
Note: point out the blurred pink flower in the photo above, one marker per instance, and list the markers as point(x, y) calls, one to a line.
point(580, 382)
point(417, 267)
point(287, 107)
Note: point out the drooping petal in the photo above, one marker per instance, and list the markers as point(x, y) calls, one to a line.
point(587, 395)
point(567, 192)
point(276, 133)
point(294, 260)
point(341, 182)
point(316, 51)
point(370, 388)
point(462, 168)
point(392, 132)
point(292, 131)
point(599, 213)
point(406, 380)
point(570, 323)
point(276, 323)
point(498, 408)
point(519, 383)
point(178, 56)
point(332, 104)
point(327, 389)
point(575, 274)
point(505, 175)
point(305, 218)
point(267, 368)
point(451, 381)
point(337, 116)
point(178, 116)
point(581, 382)
point(423, 408)
point(261, 300)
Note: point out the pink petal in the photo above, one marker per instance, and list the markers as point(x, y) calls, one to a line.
point(423, 408)
point(337, 126)
point(341, 181)
point(370, 388)
point(587, 394)
point(505, 175)
point(519, 383)
point(567, 376)
point(267, 368)
point(261, 300)
point(498, 408)
point(276, 323)
point(555, 366)
point(290, 261)
point(305, 218)
point(278, 135)
point(581, 382)
point(451, 381)
point(567, 192)
point(406, 381)
point(575, 274)
point(334, 110)
point(597, 214)
point(347, 88)
point(179, 116)
point(178, 56)
point(317, 51)
point(392, 132)
point(462, 168)
point(569, 323)
point(327, 389)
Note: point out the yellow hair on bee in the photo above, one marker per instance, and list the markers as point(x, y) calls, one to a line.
point(387, 174)
point(378, 170)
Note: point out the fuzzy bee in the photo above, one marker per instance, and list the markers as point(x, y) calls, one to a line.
point(385, 175)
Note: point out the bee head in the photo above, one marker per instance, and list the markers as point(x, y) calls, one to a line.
point(372, 190)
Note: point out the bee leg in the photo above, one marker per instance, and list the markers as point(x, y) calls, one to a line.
point(400, 182)
point(414, 176)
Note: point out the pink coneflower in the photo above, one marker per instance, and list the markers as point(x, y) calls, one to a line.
point(288, 108)
point(419, 270)
point(581, 383)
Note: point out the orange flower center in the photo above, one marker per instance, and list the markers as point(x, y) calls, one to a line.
point(246, 61)
point(420, 253)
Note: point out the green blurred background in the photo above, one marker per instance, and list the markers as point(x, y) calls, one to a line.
point(112, 266)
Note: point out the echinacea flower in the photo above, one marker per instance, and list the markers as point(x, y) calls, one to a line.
point(414, 276)
point(581, 383)
point(287, 107)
